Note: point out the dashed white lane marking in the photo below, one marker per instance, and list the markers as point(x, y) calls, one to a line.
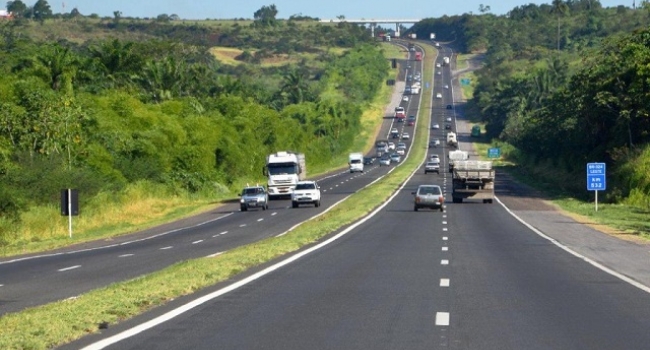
point(444, 282)
point(444, 229)
point(242, 225)
point(2, 285)
point(125, 255)
point(445, 238)
point(197, 242)
point(444, 262)
point(69, 268)
point(444, 216)
point(165, 248)
point(274, 213)
point(444, 222)
point(223, 233)
point(336, 186)
point(260, 219)
point(444, 249)
point(442, 318)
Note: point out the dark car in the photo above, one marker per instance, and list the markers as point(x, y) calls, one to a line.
point(450, 107)
point(411, 120)
point(368, 160)
point(448, 126)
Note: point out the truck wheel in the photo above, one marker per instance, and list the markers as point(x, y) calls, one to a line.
point(243, 208)
point(316, 204)
point(490, 201)
point(294, 204)
point(264, 207)
point(457, 200)
point(415, 208)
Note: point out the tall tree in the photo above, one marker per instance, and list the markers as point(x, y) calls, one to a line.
point(57, 66)
point(559, 8)
point(41, 11)
point(17, 8)
point(266, 15)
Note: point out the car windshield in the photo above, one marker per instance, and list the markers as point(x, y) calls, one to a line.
point(252, 191)
point(283, 168)
point(307, 186)
point(429, 190)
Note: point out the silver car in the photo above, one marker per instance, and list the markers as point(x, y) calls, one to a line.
point(428, 196)
point(254, 197)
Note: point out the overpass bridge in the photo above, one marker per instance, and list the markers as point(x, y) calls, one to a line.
point(373, 22)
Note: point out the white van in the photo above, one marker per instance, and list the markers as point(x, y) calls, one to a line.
point(356, 162)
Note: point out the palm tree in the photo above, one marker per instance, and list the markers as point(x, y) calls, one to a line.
point(559, 8)
point(117, 61)
point(57, 66)
point(295, 86)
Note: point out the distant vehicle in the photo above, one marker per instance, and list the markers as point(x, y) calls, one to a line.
point(448, 119)
point(456, 156)
point(432, 167)
point(437, 44)
point(391, 146)
point(447, 126)
point(284, 170)
point(400, 151)
point(445, 60)
point(438, 72)
point(254, 197)
point(438, 65)
point(394, 133)
point(446, 86)
point(450, 107)
point(451, 140)
point(418, 56)
point(405, 98)
point(355, 161)
point(306, 192)
point(401, 145)
point(406, 136)
point(400, 113)
point(438, 95)
point(476, 131)
point(411, 122)
point(384, 160)
point(435, 126)
point(434, 157)
point(473, 179)
point(434, 143)
point(395, 158)
point(412, 49)
point(428, 196)
point(368, 160)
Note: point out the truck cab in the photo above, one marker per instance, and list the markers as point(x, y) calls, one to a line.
point(355, 162)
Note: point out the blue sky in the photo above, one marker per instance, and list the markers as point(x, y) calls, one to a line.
point(351, 9)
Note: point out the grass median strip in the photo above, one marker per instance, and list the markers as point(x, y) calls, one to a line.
point(61, 322)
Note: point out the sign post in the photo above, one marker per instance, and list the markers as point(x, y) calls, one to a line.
point(596, 179)
point(69, 205)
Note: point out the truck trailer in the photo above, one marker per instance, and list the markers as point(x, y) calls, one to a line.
point(284, 170)
point(473, 179)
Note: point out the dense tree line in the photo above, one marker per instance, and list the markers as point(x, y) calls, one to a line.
point(108, 113)
point(565, 83)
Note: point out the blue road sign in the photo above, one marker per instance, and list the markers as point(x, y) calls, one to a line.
point(596, 180)
point(494, 152)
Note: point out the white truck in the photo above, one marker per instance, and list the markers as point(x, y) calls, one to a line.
point(452, 141)
point(356, 162)
point(415, 89)
point(445, 60)
point(473, 179)
point(284, 170)
point(456, 156)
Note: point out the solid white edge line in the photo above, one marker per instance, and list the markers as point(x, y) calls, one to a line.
point(603, 268)
point(197, 242)
point(125, 255)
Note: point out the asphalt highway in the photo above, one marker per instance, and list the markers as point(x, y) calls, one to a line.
point(471, 277)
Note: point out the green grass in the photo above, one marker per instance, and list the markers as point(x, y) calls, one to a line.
point(64, 321)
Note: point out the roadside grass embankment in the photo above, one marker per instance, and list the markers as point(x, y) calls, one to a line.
point(61, 322)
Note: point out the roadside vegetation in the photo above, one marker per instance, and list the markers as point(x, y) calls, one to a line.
point(563, 85)
point(150, 119)
point(61, 322)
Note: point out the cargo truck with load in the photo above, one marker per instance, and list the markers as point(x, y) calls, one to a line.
point(400, 114)
point(473, 179)
point(445, 60)
point(456, 156)
point(284, 170)
point(451, 139)
point(355, 161)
